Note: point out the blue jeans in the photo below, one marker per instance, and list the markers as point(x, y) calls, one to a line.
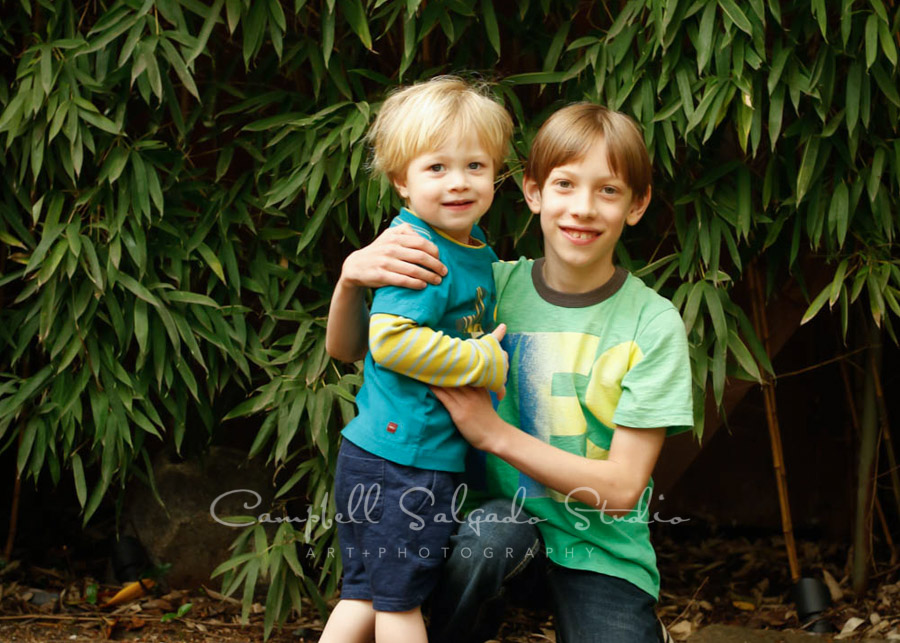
point(589, 607)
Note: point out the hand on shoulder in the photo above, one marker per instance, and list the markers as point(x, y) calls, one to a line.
point(398, 257)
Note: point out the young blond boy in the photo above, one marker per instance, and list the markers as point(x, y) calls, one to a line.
point(440, 143)
point(599, 375)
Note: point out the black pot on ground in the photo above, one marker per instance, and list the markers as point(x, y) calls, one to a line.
point(812, 598)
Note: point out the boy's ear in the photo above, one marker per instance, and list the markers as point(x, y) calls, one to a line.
point(532, 192)
point(638, 207)
point(400, 186)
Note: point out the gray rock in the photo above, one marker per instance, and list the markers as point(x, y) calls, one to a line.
point(185, 533)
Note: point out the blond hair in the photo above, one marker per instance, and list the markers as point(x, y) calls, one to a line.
point(419, 118)
point(569, 133)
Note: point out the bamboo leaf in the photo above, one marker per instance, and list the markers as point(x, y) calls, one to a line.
point(328, 23)
point(807, 167)
point(187, 377)
point(839, 212)
point(854, 90)
point(738, 17)
point(78, 475)
point(705, 36)
point(534, 78)
point(179, 66)
point(716, 311)
point(205, 31)
point(46, 69)
point(816, 305)
point(490, 25)
point(778, 62)
point(277, 14)
point(356, 16)
point(887, 42)
point(233, 563)
point(556, 46)
point(52, 262)
point(233, 14)
point(184, 297)
point(25, 444)
point(692, 305)
point(212, 261)
point(138, 289)
point(309, 232)
point(744, 201)
point(818, 10)
point(718, 370)
point(114, 165)
point(141, 324)
point(874, 181)
point(838, 282)
point(871, 40)
point(886, 85)
point(742, 355)
point(155, 190)
point(97, 120)
point(776, 114)
point(876, 300)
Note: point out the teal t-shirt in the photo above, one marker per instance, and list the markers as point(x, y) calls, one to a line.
point(579, 366)
point(399, 418)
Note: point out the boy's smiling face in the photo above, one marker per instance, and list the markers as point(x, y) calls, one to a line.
point(450, 187)
point(584, 207)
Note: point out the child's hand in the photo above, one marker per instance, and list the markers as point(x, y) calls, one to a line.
point(499, 333)
point(398, 257)
point(472, 412)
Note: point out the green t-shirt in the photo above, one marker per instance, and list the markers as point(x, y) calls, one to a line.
point(579, 366)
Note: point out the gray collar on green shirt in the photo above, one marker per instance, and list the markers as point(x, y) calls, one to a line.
point(575, 300)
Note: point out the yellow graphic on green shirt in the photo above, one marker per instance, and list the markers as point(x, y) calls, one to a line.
point(566, 388)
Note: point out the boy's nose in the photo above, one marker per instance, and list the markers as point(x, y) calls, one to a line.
point(458, 180)
point(583, 206)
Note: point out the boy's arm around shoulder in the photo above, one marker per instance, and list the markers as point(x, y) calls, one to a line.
point(398, 257)
point(348, 318)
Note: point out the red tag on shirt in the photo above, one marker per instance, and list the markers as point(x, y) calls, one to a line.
point(392, 427)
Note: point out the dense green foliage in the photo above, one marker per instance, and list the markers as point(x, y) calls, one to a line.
point(182, 179)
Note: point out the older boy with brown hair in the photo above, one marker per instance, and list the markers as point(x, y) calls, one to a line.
point(599, 375)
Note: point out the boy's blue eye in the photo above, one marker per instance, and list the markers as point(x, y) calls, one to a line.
point(475, 165)
point(437, 167)
point(563, 183)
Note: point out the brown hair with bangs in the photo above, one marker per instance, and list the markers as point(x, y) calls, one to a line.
point(569, 133)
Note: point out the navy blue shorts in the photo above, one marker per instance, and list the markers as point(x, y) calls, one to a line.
point(394, 527)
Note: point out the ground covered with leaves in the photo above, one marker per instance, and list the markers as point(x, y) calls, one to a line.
point(732, 581)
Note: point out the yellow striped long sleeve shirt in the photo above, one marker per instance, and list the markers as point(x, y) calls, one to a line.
point(430, 356)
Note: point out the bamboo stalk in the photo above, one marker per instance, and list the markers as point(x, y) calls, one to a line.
point(854, 422)
point(888, 441)
point(17, 485)
point(14, 509)
point(762, 330)
point(868, 446)
point(887, 532)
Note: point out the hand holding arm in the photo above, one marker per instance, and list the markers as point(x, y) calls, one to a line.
point(398, 257)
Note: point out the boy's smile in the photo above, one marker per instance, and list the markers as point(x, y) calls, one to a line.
point(584, 207)
point(450, 187)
